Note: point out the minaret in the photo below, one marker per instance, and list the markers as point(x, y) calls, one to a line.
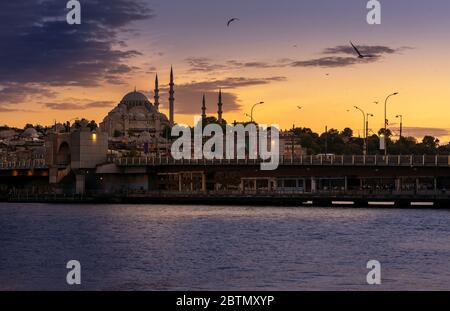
point(171, 98)
point(219, 112)
point(204, 108)
point(156, 97)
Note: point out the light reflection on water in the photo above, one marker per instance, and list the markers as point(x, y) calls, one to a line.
point(144, 247)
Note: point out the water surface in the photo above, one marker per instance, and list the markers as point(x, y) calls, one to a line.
point(145, 247)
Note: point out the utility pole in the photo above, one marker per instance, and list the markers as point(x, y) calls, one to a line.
point(401, 125)
point(367, 132)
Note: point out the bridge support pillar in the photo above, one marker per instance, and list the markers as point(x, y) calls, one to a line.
point(53, 175)
point(203, 182)
point(80, 182)
point(398, 184)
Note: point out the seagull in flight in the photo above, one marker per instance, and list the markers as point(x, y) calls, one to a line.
point(234, 19)
point(358, 52)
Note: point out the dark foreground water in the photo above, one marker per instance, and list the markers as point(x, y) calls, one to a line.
point(129, 247)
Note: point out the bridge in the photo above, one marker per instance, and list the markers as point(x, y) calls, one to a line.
point(321, 179)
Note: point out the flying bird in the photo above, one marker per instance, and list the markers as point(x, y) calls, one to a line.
point(234, 19)
point(358, 52)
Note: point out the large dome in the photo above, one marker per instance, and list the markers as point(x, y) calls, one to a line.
point(135, 96)
point(134, 99)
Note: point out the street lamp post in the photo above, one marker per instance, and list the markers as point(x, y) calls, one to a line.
point(367, 131)
point(385, 120)
point(251, 114)
point(364, 130)
point(401, 124)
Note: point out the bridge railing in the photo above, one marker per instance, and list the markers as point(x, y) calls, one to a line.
point(24, 164)
point(308, 160)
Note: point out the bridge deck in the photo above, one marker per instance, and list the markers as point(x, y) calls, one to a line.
point(355, 160)
point(314, 160)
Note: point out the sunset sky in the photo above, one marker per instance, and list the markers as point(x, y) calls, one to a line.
point(286, 53)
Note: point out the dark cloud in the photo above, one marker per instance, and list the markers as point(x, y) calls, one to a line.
point(425, 131)
point(63, 106)
point(189, 95)
point(189, 101)
point(38, 46)
point(14, 110)
point(339, 56)
point(332, 62)
point(345, 55)
point(204, 64)
point(364, 49)
point(73, 105)
point(255, 64)
point(13, 94)
point(231, 83)
point(16, 93)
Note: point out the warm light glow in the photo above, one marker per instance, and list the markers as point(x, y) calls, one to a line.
point(94, 137)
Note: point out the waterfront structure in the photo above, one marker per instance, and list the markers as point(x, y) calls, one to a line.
point(73, 153)
point(80, 148)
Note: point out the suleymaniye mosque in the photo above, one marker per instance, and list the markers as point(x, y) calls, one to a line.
point(136, 116)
